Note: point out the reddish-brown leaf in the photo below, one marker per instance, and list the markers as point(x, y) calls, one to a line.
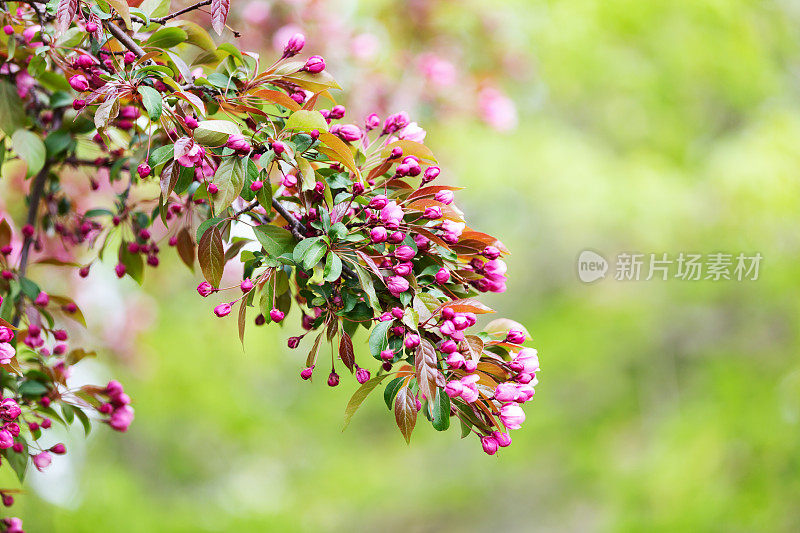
point(471, 346)
point(426, 371)
point(312, 355)
point(5, 233)
point(468, 305)
point(405, 412)
point(219, 14)
point(431, 191)
point(186, 247)
point(211, 255)
point(346, 353)
point(65, 13)
point(242, 319)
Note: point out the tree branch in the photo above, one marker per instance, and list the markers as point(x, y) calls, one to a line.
point(160, 20)
point(124, 39)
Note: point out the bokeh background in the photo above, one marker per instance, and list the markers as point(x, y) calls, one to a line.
point(616, 125)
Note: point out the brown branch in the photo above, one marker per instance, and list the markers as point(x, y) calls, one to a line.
point(161, 20)
point(124, 39)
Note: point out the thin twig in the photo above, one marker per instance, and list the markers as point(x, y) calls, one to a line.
point(160, 20)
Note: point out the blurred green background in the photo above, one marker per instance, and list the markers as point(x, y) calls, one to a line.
point(651, 126)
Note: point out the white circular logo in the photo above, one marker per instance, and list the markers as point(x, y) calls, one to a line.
point(591, 266)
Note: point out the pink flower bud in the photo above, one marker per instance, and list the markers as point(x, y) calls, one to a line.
point(506, 392)
point(246, 285)
point(397, 237)
point(315, 64)
point(42, 299)
point(238, 142)
point(6, 334)
point(212, 188)
point(8, 29)
point(121, 418)
point(333, 379)
point(490, 252)
point(59, 449)
point(205, 289)
point(433, 212)
point(404, 253)
point(306, 372)
point(378, 202)
point(397, 285)
point(278, 147)
point(453, 389)
point(289, 181)
point(42, 461)
point(515, 336)
point(448, 346)
point(411, 341)
point(362, 375)
point(91, 27)
point(403, 269)
point(120, 270)
point(191, 122)
point(222, 309)
point(294, 45)
point(446, 197)
point(372, 121)
point(489, 444)
point(257, 185)
point(512, 416)
point(347, 132)
point(144, 170)
point(276, 315)
point(503, 439)
point(431, 173)
point(79, 83)
point(377, 234)
point(129, 58)
point(293, 342)
point(78, 104)
point(387, 355)
point(442, 276)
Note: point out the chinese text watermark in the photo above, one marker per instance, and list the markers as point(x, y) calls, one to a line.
point(635, 266)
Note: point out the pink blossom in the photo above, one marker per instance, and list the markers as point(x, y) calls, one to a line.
point(364, 46)
point(6, 334)
point(42, 460)
point(446, 197)
point(6, 439)
point(256, 12)
point(187, 152)
point(24, 83)
point(497, 109)
point(529, 359)
point(442, 276)
point(437, 70)
point(404, 253)
point(392, 215)
point(512, 416)
point(397, 285)
point(7, 352)
point(489, 445)
point(506, 392)
point(121, 418)
point(470, 393)
point(412, 132)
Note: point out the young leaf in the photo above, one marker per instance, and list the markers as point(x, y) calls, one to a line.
point(333, 267)
point(151, 99)
point(242, 319)
point(121, 7)
point(211, 255)
point(219, 14)
point(214, 132)
point(377, 338)
point(229, 178)
point(359, 396)
point(346, 353)
point(426, 371)
point(65, 13)
point(440, 411)
point(276, 241)
point(405, 412)
point(30, 148)
point(186, 247)
point(314, 254)
point(312, 355)
point(303, 120)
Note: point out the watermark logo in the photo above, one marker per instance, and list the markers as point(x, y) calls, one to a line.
point(591, 266)
point(635, 266)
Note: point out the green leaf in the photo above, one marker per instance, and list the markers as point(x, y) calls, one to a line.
point(155, 8)
point(134, 263)
point(211, 255)
point(391, 391)
point(214, 132)
point(57, 142)
point(314, 255)
point(30, 148)
point(366, 283)
point(229, 178)
point(12, 110)
point(276, 241)
point(377, 338)
point(201, 229)
point(333, 267)
point(18, 461)
point(440, 411)
point(152, 101)
point(303, 120)
point(359, 396)
point(167, 38)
